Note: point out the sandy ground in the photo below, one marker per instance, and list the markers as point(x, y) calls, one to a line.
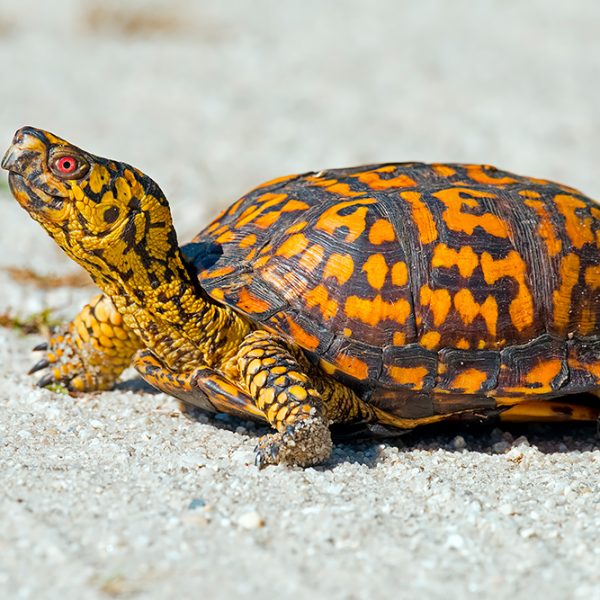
point(118, 494)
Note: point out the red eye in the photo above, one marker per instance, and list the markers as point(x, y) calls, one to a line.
point(66, 164)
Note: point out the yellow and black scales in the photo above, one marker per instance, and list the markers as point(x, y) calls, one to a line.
point(392, 295)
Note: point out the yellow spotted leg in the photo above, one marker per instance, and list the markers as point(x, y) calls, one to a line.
point(90, 352)
point(204, 388)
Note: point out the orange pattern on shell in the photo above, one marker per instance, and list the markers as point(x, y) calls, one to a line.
point(479, 173)
point(422, 217)
point(521, 307)
point(458, 220)
point(539, 378)
point(248, 302)
point(374, 180)
point(430, 340)
point(319, 296)
point(546, 228)
point(399, 273)
point(412, 376)
point(381, 231)
point(333, 186)
point(373, 311)
point(469, 381)
point(352, 366)
point(439, 302)
point(578, 228)
point(465, 259)
point(330, 220)
point(468, 309)
point(376, 270)
point(302, 337)
point(569, 276)
point(443, 170)
point(293, 245)
point(340, 267)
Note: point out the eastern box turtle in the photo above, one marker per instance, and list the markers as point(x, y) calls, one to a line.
point(384, 296)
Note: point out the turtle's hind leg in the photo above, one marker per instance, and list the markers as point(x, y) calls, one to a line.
point(90, 352)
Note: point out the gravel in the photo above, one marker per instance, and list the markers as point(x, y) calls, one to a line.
point(119, 494)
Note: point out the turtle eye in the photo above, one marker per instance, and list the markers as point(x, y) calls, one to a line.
point(67, 165)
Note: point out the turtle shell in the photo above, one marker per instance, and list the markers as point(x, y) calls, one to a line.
point(410, 280)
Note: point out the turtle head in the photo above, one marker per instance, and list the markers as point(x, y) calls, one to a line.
point(104, 214)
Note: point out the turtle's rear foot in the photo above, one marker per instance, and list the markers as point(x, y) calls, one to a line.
point(303, 444)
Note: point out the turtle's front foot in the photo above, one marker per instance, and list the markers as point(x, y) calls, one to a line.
point(90, 352)
point(305, 443)
point(62, 364)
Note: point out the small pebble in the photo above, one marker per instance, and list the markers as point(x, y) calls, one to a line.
point(521, 441)
point(196, 503)
point(251, 520)
point(500, 447)
point(496, 435)
point(455, 542)
point(527, 533)
point(515, 454)
point(459, 443)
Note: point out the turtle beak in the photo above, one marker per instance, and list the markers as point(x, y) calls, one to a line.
point(28, 144)
point(9, 161)
point(28, 179)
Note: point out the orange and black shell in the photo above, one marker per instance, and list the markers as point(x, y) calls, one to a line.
point(444, 281)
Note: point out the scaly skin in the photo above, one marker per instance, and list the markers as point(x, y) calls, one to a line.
point(115, 222)
point(90, 352)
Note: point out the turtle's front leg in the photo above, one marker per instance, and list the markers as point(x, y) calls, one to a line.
point(91, 351)
point(300, 406)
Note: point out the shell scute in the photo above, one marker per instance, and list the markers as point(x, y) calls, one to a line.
point(410, 367)
point(539, 367)
point(467, 371)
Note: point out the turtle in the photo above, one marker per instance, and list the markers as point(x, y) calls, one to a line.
point(380, 298)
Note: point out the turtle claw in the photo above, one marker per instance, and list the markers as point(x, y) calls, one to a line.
point(46, 380)
point(60, 371)
point(42, 364)
point(266, 453)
